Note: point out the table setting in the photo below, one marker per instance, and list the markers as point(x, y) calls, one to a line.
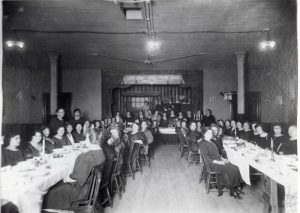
point(25, 183)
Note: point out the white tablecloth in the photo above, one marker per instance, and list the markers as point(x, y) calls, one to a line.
point(280, 170)
point(25, 185)
point(167, 131)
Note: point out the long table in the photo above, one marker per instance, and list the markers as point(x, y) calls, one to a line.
point(280, 169)
point(26, 183)
point(167, 135)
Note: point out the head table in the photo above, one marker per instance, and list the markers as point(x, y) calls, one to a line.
point(25, 183)
point(281, 169)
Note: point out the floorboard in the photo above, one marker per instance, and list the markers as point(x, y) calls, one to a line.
point(170, 186)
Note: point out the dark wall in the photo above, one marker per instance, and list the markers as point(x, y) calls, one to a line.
point(274, 74)
point(25, 78)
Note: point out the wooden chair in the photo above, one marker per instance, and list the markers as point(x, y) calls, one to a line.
point(104, 191)
point(116, 177)
point(193, 156)
point(210, 177)
point(133, 159)
point(88, 205)
point(143, 157)
point(184, 147)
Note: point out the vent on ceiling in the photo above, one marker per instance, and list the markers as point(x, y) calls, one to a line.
point(133, 13)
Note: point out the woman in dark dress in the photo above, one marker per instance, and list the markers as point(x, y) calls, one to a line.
point(227, 128)
point(233, 130)
point(254, 135)
point(193, 137)
point(34, 147)
point(199, 127)
point(11, 155)
point(262, 137)
point(246, 134)
point(239, 128)
point(290, 147)
point(230, 174)
point(49, 144)
point(164, 122)
point(277, 139)
point(117, 143)
point(59, 139)
point(69, 137)
point(218, 140)
point(198, 116)
point(172, 118)
point(78, 134)
point(208, 118)
point(129, 119)
point(180, 116)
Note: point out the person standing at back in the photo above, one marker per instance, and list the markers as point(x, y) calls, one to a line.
point(208, 118)
point(57, 121)
point(77, 118)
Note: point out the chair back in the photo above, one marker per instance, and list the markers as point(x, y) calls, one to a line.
point(95, 185)
point(106, 173)
point(116, 165)
point(181, 138)
point(134, 152)
point(206, 165)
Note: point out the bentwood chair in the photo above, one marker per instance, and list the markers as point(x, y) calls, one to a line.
point(88, 205)
point(104, 190)
point(184, 146)
point(133, 161)
point(193, 156)
point(116, 177)
point(210, 177)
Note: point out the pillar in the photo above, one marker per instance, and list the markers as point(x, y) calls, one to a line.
point(53, 57)
point(240, 59)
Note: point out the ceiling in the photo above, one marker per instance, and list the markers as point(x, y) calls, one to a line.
point(84, 49)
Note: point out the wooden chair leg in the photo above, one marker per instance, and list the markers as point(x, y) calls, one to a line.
point(208, 184)
point(109, 197)
point(131, 172)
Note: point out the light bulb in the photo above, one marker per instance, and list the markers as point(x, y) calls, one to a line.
point(20, 44)
point(10, 43)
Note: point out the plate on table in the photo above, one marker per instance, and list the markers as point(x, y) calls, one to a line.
point(61, 151)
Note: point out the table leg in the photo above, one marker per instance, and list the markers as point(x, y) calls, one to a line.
point(274, 197)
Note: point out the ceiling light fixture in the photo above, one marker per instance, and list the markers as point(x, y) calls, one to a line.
point(12, 44)
point(153, 45)
point(268, 43)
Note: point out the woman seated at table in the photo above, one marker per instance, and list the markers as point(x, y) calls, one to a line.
point(155, 116)
point(148, 134)
point(86, 128)
point(172, 118)
point(35, 146)
point(164, 122)
point(117, 143)
point(254, 134)
point(178, 126)
point(230, 174)
point(49, 144)
point(129, 119)
point(180, 116)
point(11, 154)
point(97, 124)
point(262, 137)
point(193, 137)
point(69, 137)
point(136, 136)
point(290, 146)
point(218, 140)
point(277, 139)
point(141, 116)
point(247, 132)
point(78, 134)
point(239, 128)
point(198, 115)
point(227, 129)
point(233, 130)
point(221, 124)
point(189, 117)
point(199, 127)
point(184, 130)
point(77, 184)
point(208, 118)
point(59, 139)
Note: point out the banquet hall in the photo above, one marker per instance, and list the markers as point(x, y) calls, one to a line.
point(164, 106)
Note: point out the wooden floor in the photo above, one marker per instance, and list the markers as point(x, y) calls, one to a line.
point(171, 186)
